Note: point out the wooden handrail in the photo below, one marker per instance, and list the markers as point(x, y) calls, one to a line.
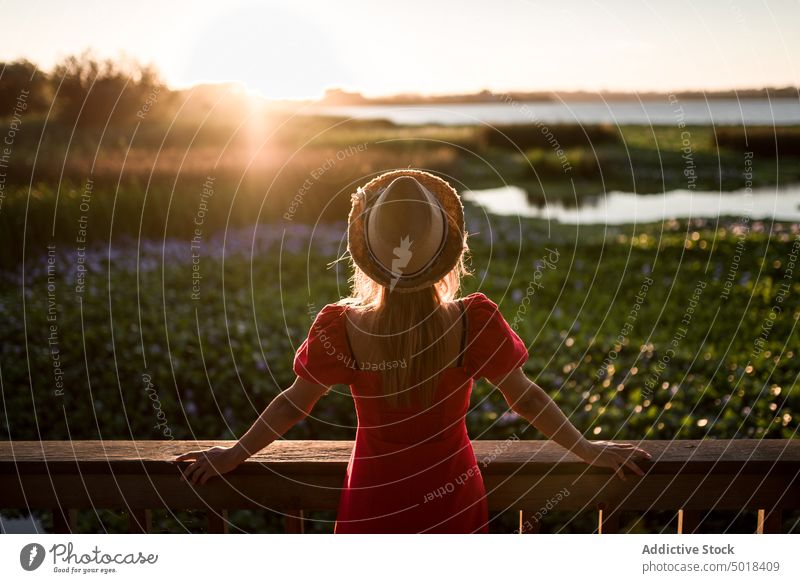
point(690, 476)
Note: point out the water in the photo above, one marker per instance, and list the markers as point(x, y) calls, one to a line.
point(28, 525)
point(651, 112)
point(614, 208)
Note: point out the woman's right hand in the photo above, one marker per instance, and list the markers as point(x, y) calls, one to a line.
point(606, 454)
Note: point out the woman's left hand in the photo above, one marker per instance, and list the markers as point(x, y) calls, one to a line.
point(208, 463)
point(606, 454)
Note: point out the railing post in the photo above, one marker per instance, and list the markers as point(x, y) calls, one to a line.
point(65, 521)
point(529, 525)
point(217, 521)
point(769, 522)
point(293, 522)
point(688, 521)
point(140, 520)
point(607, 519)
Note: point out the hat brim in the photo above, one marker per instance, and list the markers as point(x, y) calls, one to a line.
point(454, 245)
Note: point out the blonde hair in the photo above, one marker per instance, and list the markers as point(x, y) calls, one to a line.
point(408, 327)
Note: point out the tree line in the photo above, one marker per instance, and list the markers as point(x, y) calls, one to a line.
point(80, 90)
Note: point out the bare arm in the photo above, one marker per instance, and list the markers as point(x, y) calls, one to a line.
point(528, 400)
point(287, 409)
point(284, 412)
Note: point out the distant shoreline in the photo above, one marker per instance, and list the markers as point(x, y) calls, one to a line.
point(335, 97)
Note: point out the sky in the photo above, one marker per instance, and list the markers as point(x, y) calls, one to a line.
point(296, 49)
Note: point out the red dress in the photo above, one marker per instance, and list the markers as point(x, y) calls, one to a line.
point(412, 469)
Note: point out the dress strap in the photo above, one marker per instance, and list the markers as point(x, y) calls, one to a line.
point(463, 332)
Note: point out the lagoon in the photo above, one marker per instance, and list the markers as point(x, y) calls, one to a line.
point(779, 112)
point(616, 208)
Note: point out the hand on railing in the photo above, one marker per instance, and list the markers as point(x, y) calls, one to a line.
point(605, 454)
point(209, 463)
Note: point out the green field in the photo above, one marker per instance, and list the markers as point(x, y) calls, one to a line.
point(141, 359)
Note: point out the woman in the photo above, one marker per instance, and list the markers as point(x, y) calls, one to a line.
point(410, 350)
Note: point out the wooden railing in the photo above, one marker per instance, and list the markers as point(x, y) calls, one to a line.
point(532, 477)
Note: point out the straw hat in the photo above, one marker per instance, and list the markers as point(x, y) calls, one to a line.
point(406, 229)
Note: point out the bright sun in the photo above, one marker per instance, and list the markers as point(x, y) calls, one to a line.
point(271, 48)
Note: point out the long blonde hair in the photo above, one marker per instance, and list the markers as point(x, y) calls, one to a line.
point(410, 327)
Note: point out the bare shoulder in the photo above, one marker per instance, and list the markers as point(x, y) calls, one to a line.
point(354, 312)
point(452, 306)
point(357, 318)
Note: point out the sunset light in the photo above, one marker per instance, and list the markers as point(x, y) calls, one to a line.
point(449, 267)
point(297, 49)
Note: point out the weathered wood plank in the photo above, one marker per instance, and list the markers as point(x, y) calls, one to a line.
point(530, 456)
point(267, 492)
point(519, 475)
point(321, 492)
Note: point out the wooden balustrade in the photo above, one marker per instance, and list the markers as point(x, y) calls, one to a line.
point(688, 477)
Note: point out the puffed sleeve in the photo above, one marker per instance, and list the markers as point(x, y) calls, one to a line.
point(493, 348)
point(324, 357)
